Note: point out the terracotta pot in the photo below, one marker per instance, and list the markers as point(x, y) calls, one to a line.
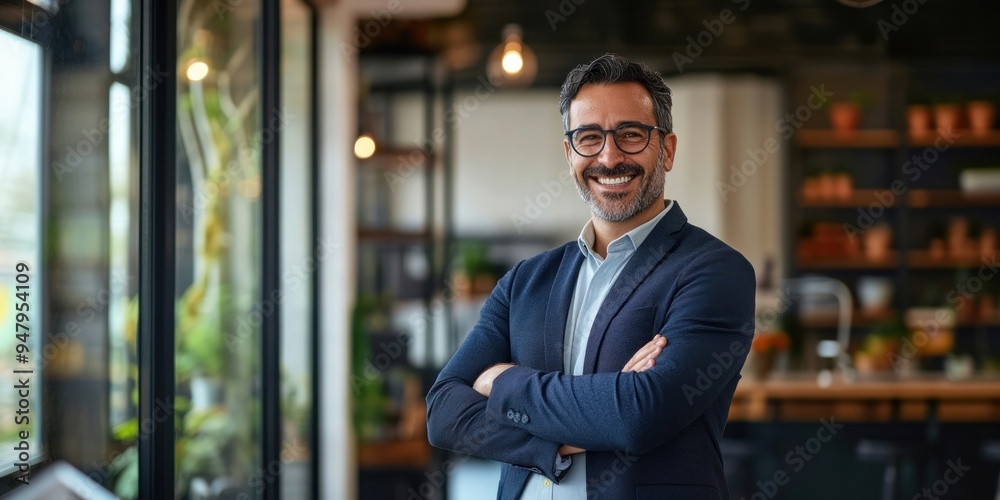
point(810, 189)
point(918, 116)
point(948, 117)
point(843, 185)
point(981, 115)
point(845, 116)
point(937, 249)
point(877, 243)
point(827, 187)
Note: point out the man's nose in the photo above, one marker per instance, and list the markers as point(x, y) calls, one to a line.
point(611, 155)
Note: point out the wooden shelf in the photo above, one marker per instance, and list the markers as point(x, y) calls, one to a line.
point(396, 157)
point(859, 319)
point(921, 259)
point(858, 198)
point(927, 198)
point(888, 138)
point(369, 235)
point(848, 263)
point(855, 139)
point(965, 138)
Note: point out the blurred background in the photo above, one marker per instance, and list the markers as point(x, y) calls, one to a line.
point(312, 200)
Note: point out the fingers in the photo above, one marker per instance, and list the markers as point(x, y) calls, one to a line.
point(645, 357)
point(567, 450)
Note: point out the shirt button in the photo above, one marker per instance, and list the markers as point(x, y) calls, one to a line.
point(524, 418)
point(510, 414)
point(546, 483)
point(517, 416)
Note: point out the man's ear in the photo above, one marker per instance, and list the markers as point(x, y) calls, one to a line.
point(567, 150)
point(670, 150)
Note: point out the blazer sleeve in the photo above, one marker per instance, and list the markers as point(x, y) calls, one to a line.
point(709, 326)
point(457, 419)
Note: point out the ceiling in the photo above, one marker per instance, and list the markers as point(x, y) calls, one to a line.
point(764, 36)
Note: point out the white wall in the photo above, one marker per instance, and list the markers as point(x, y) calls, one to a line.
point(509, 147)
point(338, 102)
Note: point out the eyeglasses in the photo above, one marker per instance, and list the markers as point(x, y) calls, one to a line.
point(631, 138)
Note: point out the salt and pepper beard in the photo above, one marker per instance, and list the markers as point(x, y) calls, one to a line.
point(650, 191)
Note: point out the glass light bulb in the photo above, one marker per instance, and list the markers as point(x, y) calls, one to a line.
point(512, 62)
point(364, 147)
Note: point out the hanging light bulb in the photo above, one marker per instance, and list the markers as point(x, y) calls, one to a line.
point(197, 70)
point(364, 147)
point(512, 63)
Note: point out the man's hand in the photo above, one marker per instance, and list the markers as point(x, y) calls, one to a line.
point(642, 360)
point(484, 383)
point(645, 357)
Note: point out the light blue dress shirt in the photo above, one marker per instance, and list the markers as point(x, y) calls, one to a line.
point(595, 279)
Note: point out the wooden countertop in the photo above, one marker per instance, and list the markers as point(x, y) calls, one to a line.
point(798, 397)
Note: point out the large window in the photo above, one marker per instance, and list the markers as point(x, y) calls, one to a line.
point(21, 264)
point(80, 92)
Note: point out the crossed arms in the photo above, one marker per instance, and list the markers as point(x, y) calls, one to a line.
point(709, 319)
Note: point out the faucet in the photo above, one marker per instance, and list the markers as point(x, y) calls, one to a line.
point(820, 286)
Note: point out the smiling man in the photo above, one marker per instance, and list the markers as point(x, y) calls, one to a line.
point(586, 373)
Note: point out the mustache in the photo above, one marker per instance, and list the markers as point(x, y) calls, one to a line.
point(620, 169)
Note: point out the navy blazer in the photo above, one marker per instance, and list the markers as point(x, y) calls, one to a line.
point(649, 435)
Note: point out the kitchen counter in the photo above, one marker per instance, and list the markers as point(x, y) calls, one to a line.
point(798, 397)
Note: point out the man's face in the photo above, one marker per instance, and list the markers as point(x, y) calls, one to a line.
point(599, 178)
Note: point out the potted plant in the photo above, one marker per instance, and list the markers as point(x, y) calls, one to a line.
point(766, 349)
point(879, 350)
point(948, 114)
point(981, 113)
point(845, 116)
point(918, 118)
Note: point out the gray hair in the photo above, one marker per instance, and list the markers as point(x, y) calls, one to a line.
point(613, 68)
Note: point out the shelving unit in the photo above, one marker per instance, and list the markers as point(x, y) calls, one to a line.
point(875, 156)
point(401, 265)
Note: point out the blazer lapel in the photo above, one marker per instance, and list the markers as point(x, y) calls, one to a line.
point(656, 246)
point(557, 309)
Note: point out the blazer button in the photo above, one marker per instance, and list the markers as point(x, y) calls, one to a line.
point(510, 414)
point(524, 418)
point(517, 416)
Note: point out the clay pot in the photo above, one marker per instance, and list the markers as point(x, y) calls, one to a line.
point(948, 117)
point(843, 185)
point(827, 187)
point(918, 116)
point(845, 116)
point(981, 115)
point(877, 243)
point(810, 189)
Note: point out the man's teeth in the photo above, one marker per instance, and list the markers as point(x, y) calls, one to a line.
point(614, 180)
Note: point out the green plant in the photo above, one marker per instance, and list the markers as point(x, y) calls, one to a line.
point(864, 99)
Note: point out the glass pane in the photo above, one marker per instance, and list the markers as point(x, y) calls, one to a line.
point(298, 268)
point(218, 250)
point(21, 265)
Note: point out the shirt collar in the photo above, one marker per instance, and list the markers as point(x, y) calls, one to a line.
point(632, 239)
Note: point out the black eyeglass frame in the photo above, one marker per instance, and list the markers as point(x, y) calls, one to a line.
point(614, 136)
